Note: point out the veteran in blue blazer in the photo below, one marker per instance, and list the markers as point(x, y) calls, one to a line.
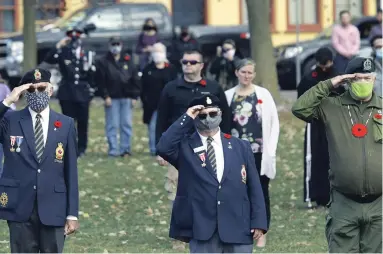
point(39, 195)
point(219, 206)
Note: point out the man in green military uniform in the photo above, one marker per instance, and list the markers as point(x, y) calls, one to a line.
point(353, 123)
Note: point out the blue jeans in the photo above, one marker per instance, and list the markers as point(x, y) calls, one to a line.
point(1, 159)
point(119, 116)
point(152, 133)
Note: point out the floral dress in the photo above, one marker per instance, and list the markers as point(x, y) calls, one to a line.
point(247, 120)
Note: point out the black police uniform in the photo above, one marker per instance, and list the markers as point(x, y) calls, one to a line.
point(75, 91)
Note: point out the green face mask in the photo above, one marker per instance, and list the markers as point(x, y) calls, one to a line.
point(361, 90)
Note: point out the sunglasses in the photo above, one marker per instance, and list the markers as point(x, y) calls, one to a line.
point(32, 89)
point(225, 49)
point(191, 62)
point(115, 44)
point(203, 116)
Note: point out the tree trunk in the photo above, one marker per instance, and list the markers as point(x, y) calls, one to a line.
point(258, 12)
point(29, 32)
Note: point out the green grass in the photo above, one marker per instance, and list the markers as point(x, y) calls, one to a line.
point(124, 206)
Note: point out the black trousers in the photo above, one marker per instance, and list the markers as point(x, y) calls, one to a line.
point(80, 112)
point(34, 237)
point(265, 185)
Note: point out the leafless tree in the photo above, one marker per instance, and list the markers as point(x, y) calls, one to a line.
point(258, 12)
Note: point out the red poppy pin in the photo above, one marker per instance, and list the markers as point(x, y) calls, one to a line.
point(82, 54)
point(58, 124)
point(127, 57)
point(260, 101)
point(228, 136)
point(203, 82)
point(167, 65)
point(359, 130)
point(314, 74)
point(378, 116)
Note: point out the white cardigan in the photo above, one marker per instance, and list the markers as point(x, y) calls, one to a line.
point(270, 128)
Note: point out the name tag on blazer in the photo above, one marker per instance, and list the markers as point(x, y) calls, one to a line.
point(199, 149)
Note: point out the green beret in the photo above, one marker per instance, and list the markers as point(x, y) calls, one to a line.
point(360, 65)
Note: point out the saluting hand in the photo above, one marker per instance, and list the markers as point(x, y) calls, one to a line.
point(15, 94)
point(194, 111)
point(257, 233)
point(71, 226)
point(336, 81)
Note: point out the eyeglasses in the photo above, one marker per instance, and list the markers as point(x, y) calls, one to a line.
point(226, 49)
point(115, 44)
point(32, 89)
point(203, 116)
point(191, 62)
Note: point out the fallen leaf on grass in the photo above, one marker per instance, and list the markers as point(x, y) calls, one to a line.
point(149, 211)
point(162, 222)
point(86, 215)
point(303, 243)
point(122, 232)
point(112, 234)
point(140, 168)
point(106, 251)
point(293, 197)
point(149, 229)
point(136, 191)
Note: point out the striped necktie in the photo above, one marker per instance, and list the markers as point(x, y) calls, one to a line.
point(211, 155)
point(39, 137)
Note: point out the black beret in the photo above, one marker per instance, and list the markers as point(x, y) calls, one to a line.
point(207, 100)
point(360, 65)
point(74, 29)
point(36, 76)
point(115, 39)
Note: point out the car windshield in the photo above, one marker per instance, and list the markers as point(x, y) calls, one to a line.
point(72, 20)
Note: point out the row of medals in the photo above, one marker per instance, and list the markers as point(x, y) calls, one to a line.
point(18, 141)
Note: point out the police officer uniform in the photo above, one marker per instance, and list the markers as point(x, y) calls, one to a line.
point(354, 135)
point(219, 199)
point(39, 191)
point(75, 91)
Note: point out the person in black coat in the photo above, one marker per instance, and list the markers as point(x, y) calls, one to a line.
point(155, 76)
point(316, 158)
point(224, 65)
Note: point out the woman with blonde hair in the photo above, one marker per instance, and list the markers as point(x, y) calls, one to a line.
point(255, 119)
point(154, 78)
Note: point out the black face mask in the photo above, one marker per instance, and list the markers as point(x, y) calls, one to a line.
point(326, 70)
point(184, 34)
point(149, 28)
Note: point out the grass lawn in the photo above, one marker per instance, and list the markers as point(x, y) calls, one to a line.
point(124, 206)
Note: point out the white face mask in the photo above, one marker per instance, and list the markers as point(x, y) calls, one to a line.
point(115, 50)
point(159, 57)
point(229, 54)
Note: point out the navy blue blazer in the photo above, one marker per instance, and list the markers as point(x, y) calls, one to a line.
point(53, 181)
point(202, 204)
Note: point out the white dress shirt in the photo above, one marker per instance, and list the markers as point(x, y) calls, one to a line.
point(218, 151)
point(45, 124)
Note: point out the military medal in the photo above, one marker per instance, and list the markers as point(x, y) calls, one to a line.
point(358, 130)
point(229, 146)
point(126, 67)
point(19, 140)
point(203, 159)
point(13, 139)
point(59, 152)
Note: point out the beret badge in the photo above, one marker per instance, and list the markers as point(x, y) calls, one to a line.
point(367, 65)
point(37, 74)
point(208, 100)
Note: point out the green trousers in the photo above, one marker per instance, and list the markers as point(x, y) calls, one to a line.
point(354, 227)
